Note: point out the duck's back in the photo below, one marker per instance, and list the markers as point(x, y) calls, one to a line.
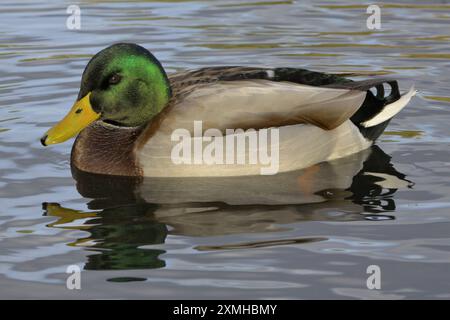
point(318, 117)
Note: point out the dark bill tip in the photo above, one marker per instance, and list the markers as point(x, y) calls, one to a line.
point(43, 140)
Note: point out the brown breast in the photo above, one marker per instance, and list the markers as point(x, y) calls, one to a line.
point(106, 149)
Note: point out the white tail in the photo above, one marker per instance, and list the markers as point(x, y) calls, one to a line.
point(391, 109)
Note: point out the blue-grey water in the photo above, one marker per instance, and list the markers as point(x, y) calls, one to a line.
point(388, 206)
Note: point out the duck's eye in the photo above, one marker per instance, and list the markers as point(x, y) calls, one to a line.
point(114, 79)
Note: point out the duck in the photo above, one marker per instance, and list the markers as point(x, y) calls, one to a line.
point(130, 116)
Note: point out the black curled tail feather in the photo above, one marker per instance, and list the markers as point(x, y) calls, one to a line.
point(372, 105)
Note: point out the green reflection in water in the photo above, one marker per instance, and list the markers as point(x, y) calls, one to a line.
point(115, 235)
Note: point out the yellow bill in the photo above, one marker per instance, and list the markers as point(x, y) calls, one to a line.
point(78, 118)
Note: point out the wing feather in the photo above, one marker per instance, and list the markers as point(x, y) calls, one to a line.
point(262, 104)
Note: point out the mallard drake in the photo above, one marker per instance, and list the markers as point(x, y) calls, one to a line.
point(128, 109)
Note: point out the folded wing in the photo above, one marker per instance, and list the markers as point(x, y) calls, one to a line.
point(261, 104)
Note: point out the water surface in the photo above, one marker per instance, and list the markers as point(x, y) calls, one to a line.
point(273, 238)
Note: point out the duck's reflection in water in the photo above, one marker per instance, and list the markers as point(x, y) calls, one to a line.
point(126, 214)
point(115, 235)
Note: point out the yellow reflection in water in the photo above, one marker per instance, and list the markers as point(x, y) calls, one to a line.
point(58, 57)
point(67, 216)
point(260, 3)
point(389, 5)
point(438, 98)
point(405, 133)
point(426, 55)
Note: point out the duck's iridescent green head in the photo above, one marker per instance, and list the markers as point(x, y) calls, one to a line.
point(124, 85)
